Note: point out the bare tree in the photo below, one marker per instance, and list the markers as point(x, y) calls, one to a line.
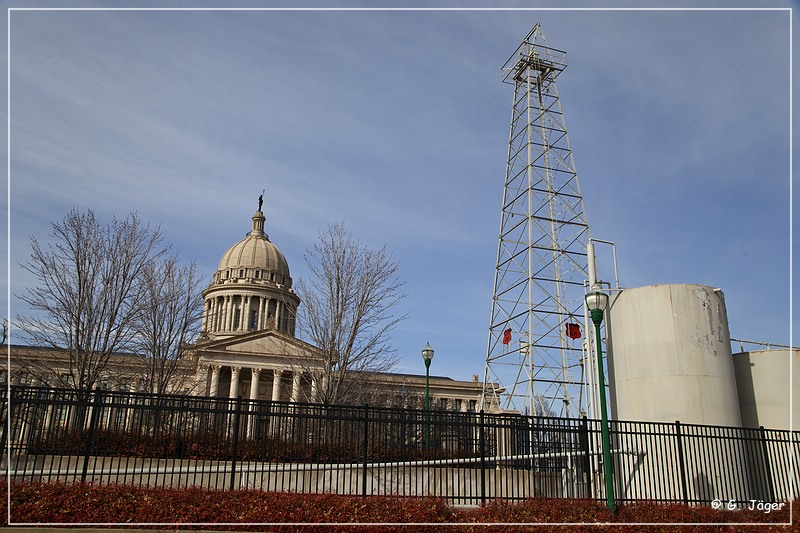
point(347, 311)
point(5, 331)
point(88, 292)
point(168, 322)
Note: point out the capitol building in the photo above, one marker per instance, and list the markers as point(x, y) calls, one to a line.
point(247, 346)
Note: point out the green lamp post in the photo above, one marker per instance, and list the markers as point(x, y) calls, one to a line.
point(597, 302)
point(427, 356)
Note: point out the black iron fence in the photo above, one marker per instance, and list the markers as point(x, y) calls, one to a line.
point(466, 457)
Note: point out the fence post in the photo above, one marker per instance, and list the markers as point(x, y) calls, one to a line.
point(95, 404)
point(236, 415)
point(7, 421)
point(767, 466)
point(365, 451)
point(587, 460)
point(482, 441)
point(682, 462)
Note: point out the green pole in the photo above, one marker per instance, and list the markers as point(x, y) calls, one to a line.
point(427, 403)
point(597, 318)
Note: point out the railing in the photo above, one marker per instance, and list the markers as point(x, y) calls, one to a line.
point(762, 345)
point(182, 441)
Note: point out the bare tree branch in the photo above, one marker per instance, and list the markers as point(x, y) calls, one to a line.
point(169, 321)
point(347, 311)
point(88, 292)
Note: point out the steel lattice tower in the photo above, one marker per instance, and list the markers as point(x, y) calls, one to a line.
point(532, 364)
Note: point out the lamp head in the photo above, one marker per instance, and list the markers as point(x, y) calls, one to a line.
point(427, 353)
point(597, 301)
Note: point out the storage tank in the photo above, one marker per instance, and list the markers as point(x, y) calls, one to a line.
point(670, 356)
point(762, 382)
point(765, 387)
point(670, 360)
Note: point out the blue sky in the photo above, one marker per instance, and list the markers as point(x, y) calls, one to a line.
point(397, 123)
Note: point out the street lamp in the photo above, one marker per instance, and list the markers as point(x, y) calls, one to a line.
point(597, 302)
point(427, 355)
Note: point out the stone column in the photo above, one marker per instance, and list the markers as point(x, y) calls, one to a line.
point(234, 381)
point(314, 390)
point(226, 304)
point(230, 313)
point(48, 418)
point(131, 387)
point(275, 419)
point(252, 419)
point(214, 380)
point(244, 314)
point(276, 385)
point(278, 312)
point(206, 312)
point(215, 314)
point(255, 375)
point(295, 386)
point(262, 313)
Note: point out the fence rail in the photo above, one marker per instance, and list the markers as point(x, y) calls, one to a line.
point(220, 443)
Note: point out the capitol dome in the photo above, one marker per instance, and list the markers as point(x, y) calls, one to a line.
point(251, 290)
point(254, 257)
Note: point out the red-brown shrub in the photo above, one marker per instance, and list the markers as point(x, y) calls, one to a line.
point(43, 503)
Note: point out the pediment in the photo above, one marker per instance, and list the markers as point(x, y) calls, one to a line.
point(266, 343)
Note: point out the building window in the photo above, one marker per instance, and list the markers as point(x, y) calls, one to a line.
point(257, 274)
point(253, 319)
point(472, 405)
point(456, 405)
point(236, 319)
point(241, 273)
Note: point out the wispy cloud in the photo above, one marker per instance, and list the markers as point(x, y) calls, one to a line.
point(397, 123)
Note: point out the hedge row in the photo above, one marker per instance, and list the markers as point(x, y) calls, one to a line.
point(40, 503)
point(217, 447)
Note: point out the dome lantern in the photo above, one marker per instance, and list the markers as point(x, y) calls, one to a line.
point(258, 225)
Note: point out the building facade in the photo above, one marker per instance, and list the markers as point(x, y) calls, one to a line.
point(247, 346)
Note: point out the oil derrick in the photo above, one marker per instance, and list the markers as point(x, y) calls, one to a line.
point(534, 355)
